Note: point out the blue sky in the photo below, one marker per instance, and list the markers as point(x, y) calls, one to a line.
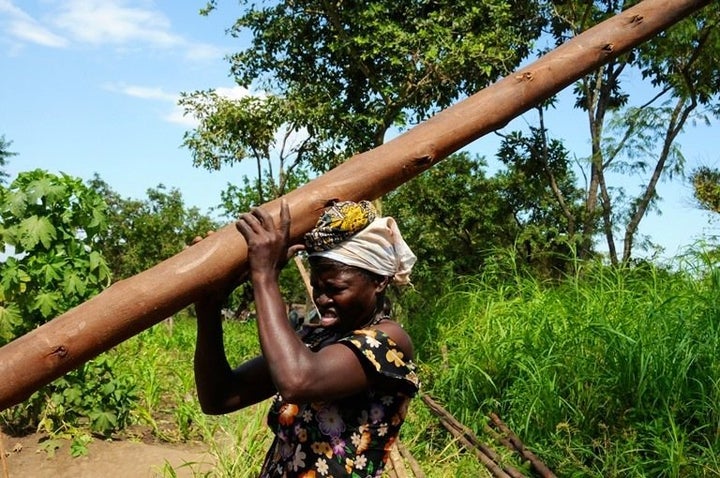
point(90, 86)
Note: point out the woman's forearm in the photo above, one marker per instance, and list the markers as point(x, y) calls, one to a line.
point(212, 370)
point(286, 355)
point(220, 388)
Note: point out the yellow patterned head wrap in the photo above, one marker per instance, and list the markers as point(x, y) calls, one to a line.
point(340, 221)
point(352, 234)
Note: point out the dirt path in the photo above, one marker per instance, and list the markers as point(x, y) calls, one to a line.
point(26, 458)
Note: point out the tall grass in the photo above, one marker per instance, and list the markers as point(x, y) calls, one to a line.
point(613, 372)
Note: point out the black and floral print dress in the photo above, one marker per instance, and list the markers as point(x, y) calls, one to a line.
point(349, 437)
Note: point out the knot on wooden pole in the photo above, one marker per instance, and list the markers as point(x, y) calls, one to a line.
point(526, 76)
point(60, 352)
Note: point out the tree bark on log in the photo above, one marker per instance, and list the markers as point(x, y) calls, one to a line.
point(135, 304)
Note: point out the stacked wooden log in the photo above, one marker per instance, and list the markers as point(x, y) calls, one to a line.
point(496, 464)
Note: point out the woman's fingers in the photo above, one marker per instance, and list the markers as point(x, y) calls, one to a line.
point(292, 250)
point(263, 218)
point(250, 222)
point(285, 218)
point(258, 223)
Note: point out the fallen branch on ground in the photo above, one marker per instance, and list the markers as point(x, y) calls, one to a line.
point(414, 465)
point(519, 446)
point(397, 470)
point(464, 435)
point(3, 459)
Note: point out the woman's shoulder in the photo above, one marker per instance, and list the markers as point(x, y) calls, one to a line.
point(390, 336)
point(385, 351)
point(397, 334)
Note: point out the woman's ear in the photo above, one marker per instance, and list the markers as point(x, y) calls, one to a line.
point(382, 284)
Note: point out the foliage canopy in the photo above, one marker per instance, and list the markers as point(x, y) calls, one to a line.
point(351, 71)
point(142, 233)
point(51, 222)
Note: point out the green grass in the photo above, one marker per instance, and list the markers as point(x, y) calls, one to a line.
point(609, 373)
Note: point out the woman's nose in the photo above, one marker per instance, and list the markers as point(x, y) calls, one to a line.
point(321, 299)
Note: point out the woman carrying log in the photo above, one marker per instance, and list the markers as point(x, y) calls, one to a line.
point(340, 390)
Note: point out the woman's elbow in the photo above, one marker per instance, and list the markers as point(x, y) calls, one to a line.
point(208, 409)
point(296, 389)
point(212, 405)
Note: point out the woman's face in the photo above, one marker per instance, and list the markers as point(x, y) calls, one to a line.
point(346, 298)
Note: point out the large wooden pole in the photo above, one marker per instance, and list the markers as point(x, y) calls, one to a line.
point(133, 305)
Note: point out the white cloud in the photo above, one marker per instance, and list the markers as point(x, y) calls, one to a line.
point(99, 22)
point(234, 93)
point(124, 22)
point(154, 94)
point(118, 23)
point(178, 116)
point(21, 26)
point(143, 92)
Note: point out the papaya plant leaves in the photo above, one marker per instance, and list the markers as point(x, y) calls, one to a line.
point(74, 284)
point(16, 202)
point(51, 222)
point(14, 278)
point(46, 303)
point(9, 319)
point(34, 230)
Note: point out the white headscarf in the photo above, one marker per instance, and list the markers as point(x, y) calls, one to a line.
point(379, 248)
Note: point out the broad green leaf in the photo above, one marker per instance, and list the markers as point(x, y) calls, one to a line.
point(47, 303)
point(16, 203)
point(46, 188)
point(72, 396)
point(95, 260)
point(14, 277)
point(79, 444)
point(74, 285)
point(103, 421)
point(36, 230)
point(51, 272)
point(9, 318)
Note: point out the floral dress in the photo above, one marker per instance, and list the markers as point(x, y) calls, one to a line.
point(348, 437)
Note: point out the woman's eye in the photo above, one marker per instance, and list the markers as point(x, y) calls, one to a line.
point(335, 290)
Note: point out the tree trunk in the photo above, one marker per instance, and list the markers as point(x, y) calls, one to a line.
point(133, 305)
point(681, 112)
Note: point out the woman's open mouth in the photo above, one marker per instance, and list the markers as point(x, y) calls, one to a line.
point(328, 318)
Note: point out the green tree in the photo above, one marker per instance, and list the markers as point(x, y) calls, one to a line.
point(142, 233)
point(5, 154)
point(237, 199)
point(340, 75)
point(538, 187)
point(348, 72)
point(51, 222)
point(264, 130)
point(706, 188)
point(451, 216)
point(639, 138)
point(460, 221)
